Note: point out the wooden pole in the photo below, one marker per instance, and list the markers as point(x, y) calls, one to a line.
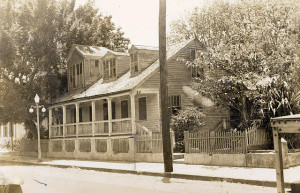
point(278, 161)
point(165, 112)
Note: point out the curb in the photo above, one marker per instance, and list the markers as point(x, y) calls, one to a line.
point(158, 174)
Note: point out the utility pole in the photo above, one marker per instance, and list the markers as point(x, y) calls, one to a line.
point(165, 111)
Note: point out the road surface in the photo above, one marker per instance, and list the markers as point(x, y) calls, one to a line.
point(39, 179)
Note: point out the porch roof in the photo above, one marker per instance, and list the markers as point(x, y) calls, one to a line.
point(91, 50)
point(123, 84)
point(295, 117)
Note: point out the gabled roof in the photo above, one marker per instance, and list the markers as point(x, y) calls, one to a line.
point(125, 82)
point(116, 53)
point(85, 50)
point(142, 47)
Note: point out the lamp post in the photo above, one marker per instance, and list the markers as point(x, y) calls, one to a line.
point(37, 101)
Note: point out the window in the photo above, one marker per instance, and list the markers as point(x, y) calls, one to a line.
point(124, 109)
point(113, 110)
point(134, 62)
point(197, 72)
point(110, 70)
point(96, 63)
point(80, 68)
point(90, 110)
point(175, 103)
point(80, 114)
point(106, 69)
point(105, 110)
point(193, 55)
point(74, 115)
point(77, 69)
point(142, 109)
point(73, 77)
point(113, 72)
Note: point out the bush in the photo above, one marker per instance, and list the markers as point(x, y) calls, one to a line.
point(187, 119)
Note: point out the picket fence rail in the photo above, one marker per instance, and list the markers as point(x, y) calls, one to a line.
point(224, 142)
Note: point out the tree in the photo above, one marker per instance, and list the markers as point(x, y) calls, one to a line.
point(35, 37)
point(252, 55)
point(187, 119)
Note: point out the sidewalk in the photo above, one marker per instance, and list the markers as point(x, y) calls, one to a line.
point(252, 176)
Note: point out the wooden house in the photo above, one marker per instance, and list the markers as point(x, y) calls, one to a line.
point(10, 131)
point(113, 96)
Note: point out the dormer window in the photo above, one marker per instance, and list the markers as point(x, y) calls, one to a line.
point(109, 67)
point(96, 63)
point(134, 62)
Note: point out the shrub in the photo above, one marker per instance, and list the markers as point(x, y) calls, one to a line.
point(187, 119)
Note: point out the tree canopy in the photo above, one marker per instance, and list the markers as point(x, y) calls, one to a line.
point(35, 37)
point(251, 51)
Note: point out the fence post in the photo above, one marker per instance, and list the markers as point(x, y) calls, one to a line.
point(186, 142)
point(151, 141)
point(246, 141)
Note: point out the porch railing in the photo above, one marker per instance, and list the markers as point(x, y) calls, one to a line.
point(149, 143)
point(121, 126)
point(57, 130)
point(101, 127)
point(71, 129)
point(85, 128)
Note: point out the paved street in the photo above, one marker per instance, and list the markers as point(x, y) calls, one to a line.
point(84, 181)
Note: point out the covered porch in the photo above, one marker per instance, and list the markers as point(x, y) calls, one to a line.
point(121, 114)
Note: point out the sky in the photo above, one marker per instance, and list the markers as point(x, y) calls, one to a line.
point(139, 18)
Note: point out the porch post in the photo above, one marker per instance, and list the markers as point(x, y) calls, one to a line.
point(93, 117)
point(158, 113)
point(50, 122)
point(64, 120)
point(132, 107)
point(109, 116)
point(77, 118)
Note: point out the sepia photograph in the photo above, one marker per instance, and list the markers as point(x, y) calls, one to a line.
point(150, 96)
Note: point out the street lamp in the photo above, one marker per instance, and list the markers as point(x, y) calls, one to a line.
point(37, 101)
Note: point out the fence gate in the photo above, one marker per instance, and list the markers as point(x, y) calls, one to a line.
point(280, 125)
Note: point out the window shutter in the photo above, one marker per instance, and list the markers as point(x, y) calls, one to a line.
point(105, 111)
point(124, 109)
point(77, 69)
point(81, 67)
point(80, 114)
point(142, 109)
point(74, 114)
point(113, 110)
point(90, 110)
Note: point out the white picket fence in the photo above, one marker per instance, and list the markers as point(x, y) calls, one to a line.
point(222, 142)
